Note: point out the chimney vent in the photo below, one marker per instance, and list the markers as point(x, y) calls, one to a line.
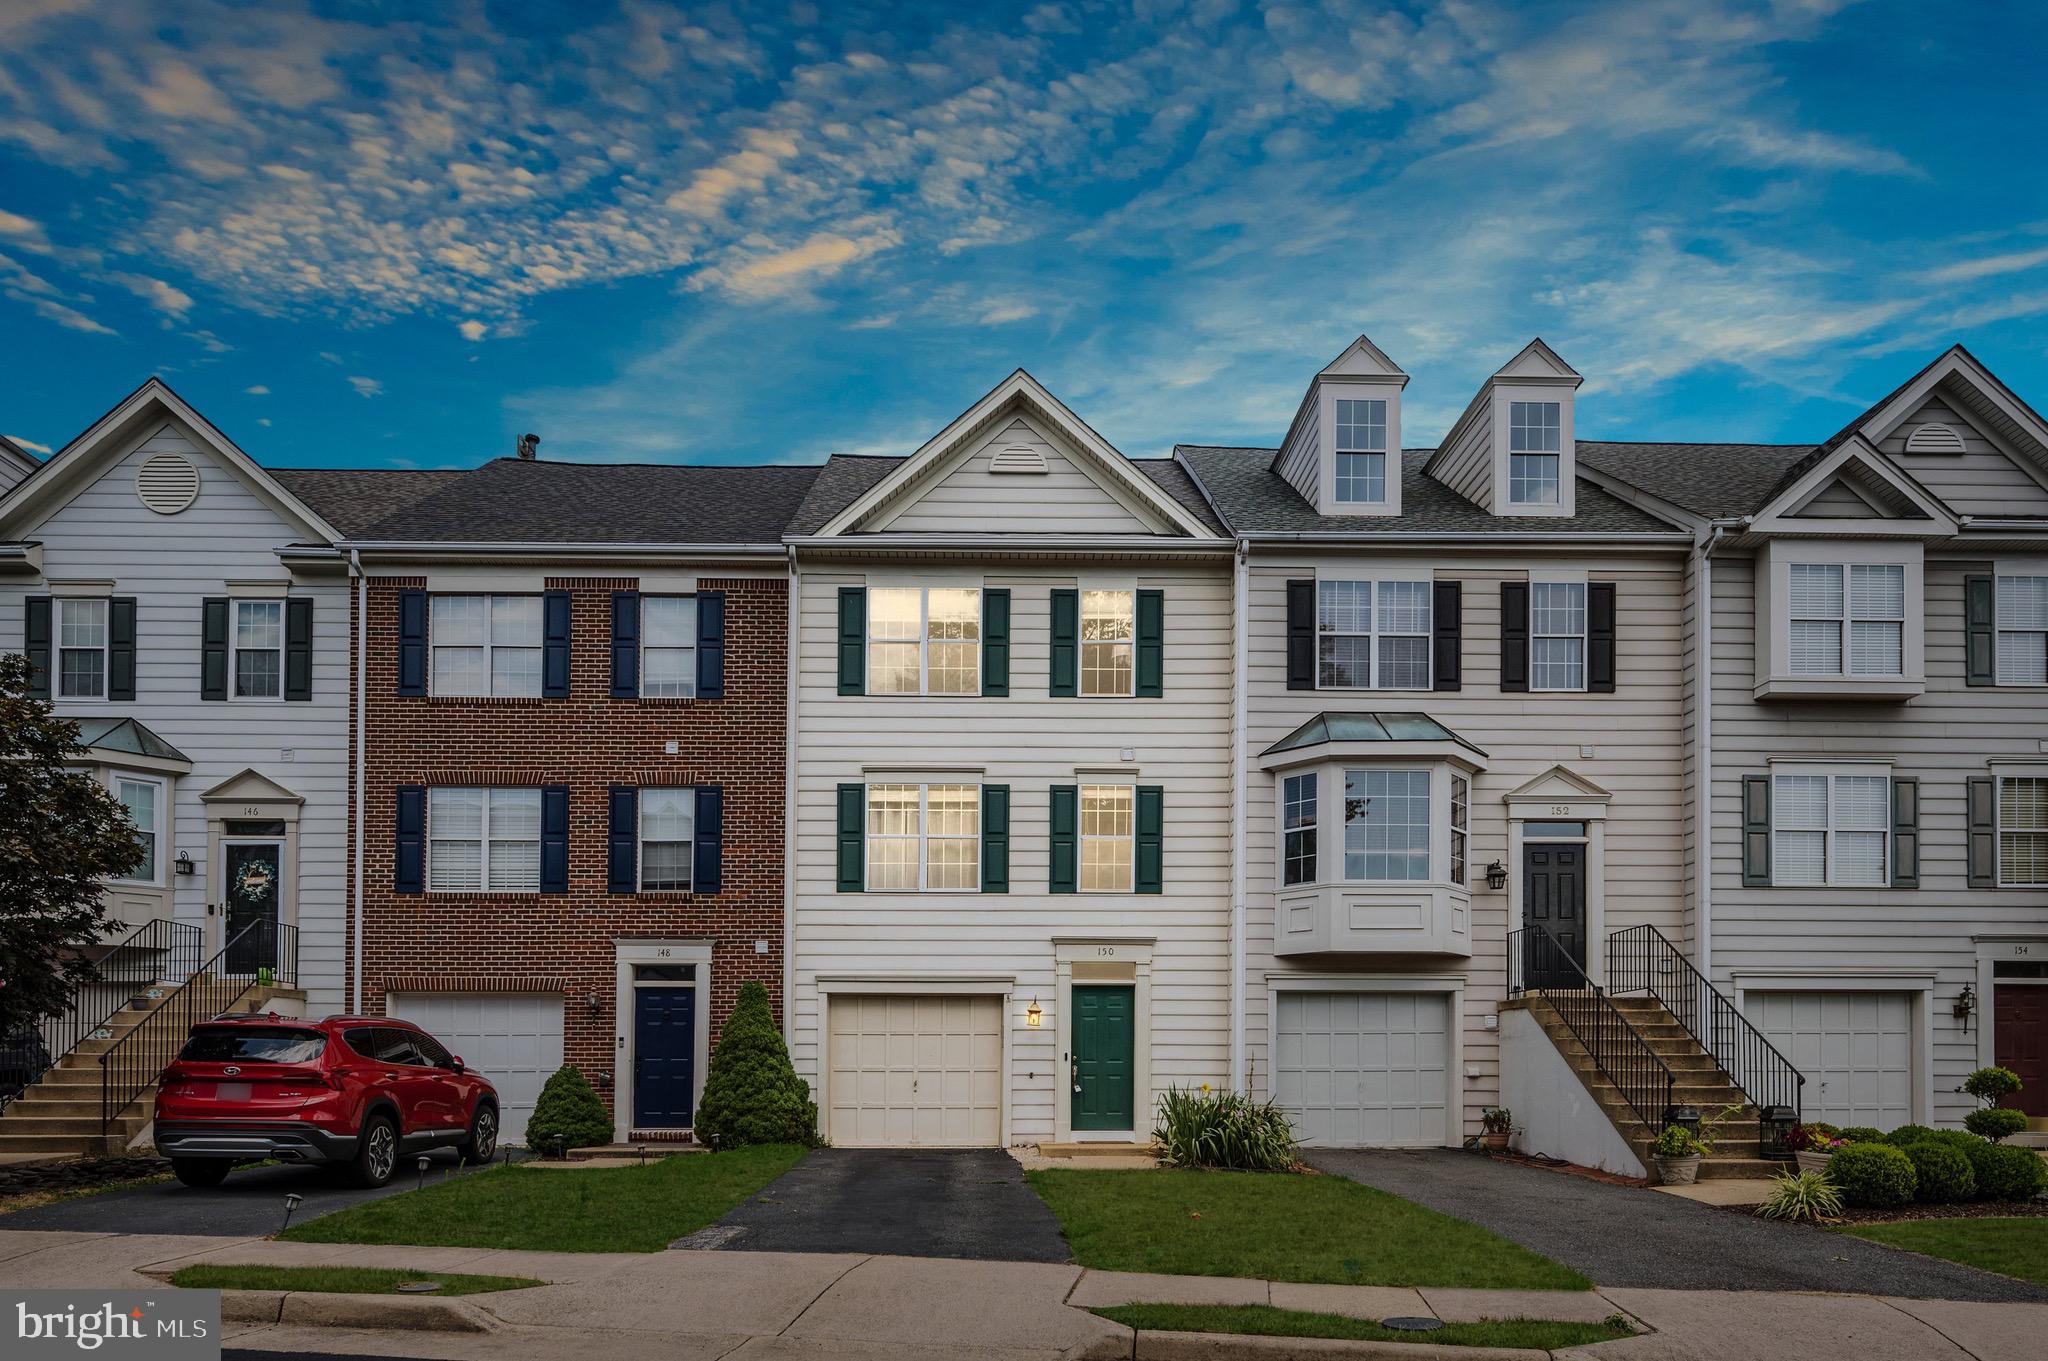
point(529, 447)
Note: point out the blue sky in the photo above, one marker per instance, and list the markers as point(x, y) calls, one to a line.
point(370, 233)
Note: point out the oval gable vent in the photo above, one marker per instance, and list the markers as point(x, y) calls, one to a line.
point(1018, 458)
point(167, 484)
point(1934, 438)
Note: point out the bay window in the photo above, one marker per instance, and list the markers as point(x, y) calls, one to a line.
point(1298, 829)
point(143, 800)
point(1386, 825)
point(1373, 635)
point(924, 640)
point(924, 837)
point(1846, 619)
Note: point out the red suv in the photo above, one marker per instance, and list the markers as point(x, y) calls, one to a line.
point(353, 1091)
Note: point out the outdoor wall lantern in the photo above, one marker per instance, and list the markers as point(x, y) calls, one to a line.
point(183, 864)
point(1966, 1002)
point(1496, 876)
point(1686, 1118)
point(1773, 1124)
point(1033, 1017)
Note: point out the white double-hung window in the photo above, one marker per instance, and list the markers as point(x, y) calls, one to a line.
point(924, 837)
point(668, 819)
point(1830, 828)
point(668, 647)
point(82, 649)
point(259, 649)
point(143, 800)
point(2022, 613)
point(486, 645)
point(924, 640)
point(1386, 825)
point(1557, 635)
point(483, 839)
point(1372, 635)
point(1361, 451)
point(1109, 642)
point(1846, 619)
point(2023, 831)
point(1108, 837)
point(1535, 452)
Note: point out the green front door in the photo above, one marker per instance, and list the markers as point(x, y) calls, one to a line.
point(1104, 1038)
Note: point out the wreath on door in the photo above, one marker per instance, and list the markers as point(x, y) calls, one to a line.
point(253, 881)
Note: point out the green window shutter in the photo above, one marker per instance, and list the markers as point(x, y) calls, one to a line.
point(1151, 644)
point(1983, 807)
point(1151, 858)
point(853, 640)
point(1066, 642)
point(853, 845)
point(1756, 831)
point(1980, 630)
point(995, 642)
point(995, 838)
point(1063, 869)
point(1905, 833)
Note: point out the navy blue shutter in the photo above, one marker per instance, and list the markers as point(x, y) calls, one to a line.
point(121, 648)
point(35, 641)
point(554, 838)
point(625, 644)
point(412, 642)
point(708, 868)
point(623, 816)
point(408, 873)
point(711, 645)
point(298, 649)
point(554, 668)
point(213, 648)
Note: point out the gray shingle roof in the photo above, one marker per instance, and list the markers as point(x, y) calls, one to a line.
point(847, 477)
point(1256, 500)
point(1717, 481)
point(353, 499)
point(510, 500)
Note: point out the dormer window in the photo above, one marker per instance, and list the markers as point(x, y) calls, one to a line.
point(1535, 449)
point(1361, 451)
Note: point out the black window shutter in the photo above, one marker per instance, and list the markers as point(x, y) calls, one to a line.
point(995, 838)
point(213, 648)
point(1151, 677)
point(707, 867)
point(1983, 808)
point(1150, 876)
point(1905, 833)
point(1514, 636)
point(1600, 656)
point(408, 874)
point(554, 838)
point(852, 835)
point(1980, 630)
point(622, 839)
point(625, 644)
point(995, 642)
point(35, 641)
point(1756, 830)
point(1066, 642)
point(121, 648)
point(711, 645)
point(853, 640)
point(412, 643)
point(554, 668)
point(1301, 635)
point(1064, 865)
point(298, 649)
point(1447, 627)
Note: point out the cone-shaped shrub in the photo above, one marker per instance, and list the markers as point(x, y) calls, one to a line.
point(753, 1095)
point(568, 1115)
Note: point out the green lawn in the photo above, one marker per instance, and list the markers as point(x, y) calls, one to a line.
point(1281, 1227)
point(619, 1209)
point(1265, 1320)
point(2010, 1247)
point(345, 1280)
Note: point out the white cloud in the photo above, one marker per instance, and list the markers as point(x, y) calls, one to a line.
point(30, 445)
point(473, 329)
point(777, 272)
point(1002, 314)
point(263, 421)
point(165, 298)
point(1988, 266)
point(256, 390)
point(366, 387)
point(14, 224)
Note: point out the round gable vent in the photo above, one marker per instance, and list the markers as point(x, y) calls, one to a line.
point(167, 484)
point(1934, 438)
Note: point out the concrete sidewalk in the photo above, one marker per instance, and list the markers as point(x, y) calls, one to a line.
point(804, 1305)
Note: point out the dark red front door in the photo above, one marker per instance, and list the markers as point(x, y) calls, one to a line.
point(2020, 1029)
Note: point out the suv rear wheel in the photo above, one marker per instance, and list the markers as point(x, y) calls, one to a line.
point(376, 1152)
point(201, 1171)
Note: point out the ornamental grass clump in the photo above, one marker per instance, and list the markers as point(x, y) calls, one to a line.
point(1802, 1197)
point(1873, 1176)
point(1198, 1128)
point(752, 1094)
point(567, 1115)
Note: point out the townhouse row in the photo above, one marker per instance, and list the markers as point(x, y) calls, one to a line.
point(1032, 779)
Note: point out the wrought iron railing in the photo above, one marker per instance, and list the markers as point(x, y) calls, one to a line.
point(262, 954)
point(1641, 959)
point(1540, 965)
point(157, 952)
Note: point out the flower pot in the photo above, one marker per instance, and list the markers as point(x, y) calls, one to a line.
point(1678, 1171)
point(1497, 1140)
point(1813, 1160)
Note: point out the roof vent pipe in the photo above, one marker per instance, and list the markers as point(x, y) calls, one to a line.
point(529, 447)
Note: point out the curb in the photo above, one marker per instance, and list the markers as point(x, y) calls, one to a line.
point(1164, 1346)
point(314, 1309)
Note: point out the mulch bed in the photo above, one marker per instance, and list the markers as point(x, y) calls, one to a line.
point(1969, 1209)
point(74, 1174)
point(1569, 1169)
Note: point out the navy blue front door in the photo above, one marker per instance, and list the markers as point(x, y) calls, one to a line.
point(664, 1057)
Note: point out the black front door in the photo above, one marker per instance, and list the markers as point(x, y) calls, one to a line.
point(254, 888)
point(664, 1057)
point(1554, 898)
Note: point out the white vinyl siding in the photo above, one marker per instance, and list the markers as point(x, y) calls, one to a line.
point(81, 649)
point(1363, 1069)
point(1386, 825)
point(1535, 452)
point(2022, 613)
point(668, 646)
point(1847, 619)
point(1108, 825)
point(483, 840)
point(1361, 451)
point(1109, 633)
point(924, 837)
point(486, 645)
point(143, 800)
point(2023, 831)
point(924, 640)
point(1830, 829)
point(971, 499)
point(258, 643)
point(668, 819)
point(1373, 635)
point(1557, 635)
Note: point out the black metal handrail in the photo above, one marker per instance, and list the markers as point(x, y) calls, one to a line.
point(261, 954)
point(158, 951)
point(1642, 959)
point(1540, 965)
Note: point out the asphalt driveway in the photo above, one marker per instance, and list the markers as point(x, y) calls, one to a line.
point(1631, 1236)
point(969, 1202)
point(250, 1203)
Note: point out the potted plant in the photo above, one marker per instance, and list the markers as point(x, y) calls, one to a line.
point(1498, 1123)
point(1677, 1153)
point(1814, 1145)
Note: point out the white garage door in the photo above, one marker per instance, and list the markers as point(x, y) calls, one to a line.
point(1855, 1049)
point(512, 1038)
point(915, 1072)
point(1363, 1069)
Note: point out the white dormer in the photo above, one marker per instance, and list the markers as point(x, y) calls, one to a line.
point(1512, 451)
point(1343, 452)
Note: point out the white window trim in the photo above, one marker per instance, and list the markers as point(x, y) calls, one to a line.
point(640, 840)
point(57, 649)
point(1388, 469)
point(1832, 772)
point(115, 779)
point(2000, 773)
point(924, 836)
point(484, 851)
point(646, 646)
point(1774, 677)
point(1505, 394)
point(1585, 629)
point(490, 690)
point(1550, 502)
point(1457, 850)
point(1427, 635)
point(1081, 837)
point(1845, 623)
point(1081, 690)
point(235, 604)
point(1313, 827)
point(924, 639)
point(2000, 571)
point(1330, 389)
point(1329, 823)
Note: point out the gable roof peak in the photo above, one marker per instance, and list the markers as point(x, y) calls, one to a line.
point(1363, 359)
point(1537, 361)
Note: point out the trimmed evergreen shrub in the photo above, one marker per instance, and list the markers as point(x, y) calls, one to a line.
point(1995, 1122)
point(1875, 1176)
point(2008, 1172)
point(1860, 1134)
point(1941, 1172)
point(1906, 1134)
point(752, 1094)
point(567, 1115)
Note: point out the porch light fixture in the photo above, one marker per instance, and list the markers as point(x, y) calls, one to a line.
point(1966, 1002)
point(183, 864)
point(1033, 1017)
point(1496, 876)
point(1773, 1124)
point(595, 1003)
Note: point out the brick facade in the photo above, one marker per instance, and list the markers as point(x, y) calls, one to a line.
point(526, 942)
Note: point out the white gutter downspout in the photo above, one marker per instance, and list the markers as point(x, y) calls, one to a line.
point(789, 813)
point(362, 675)
point(1703, 797)
point(1239, 728)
